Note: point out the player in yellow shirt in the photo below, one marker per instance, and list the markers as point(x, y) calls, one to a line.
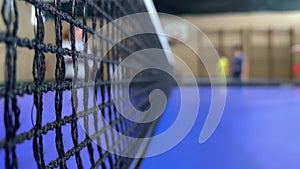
point(223, 67)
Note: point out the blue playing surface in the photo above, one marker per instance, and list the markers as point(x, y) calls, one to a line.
point(24, 151)
point(260, 129)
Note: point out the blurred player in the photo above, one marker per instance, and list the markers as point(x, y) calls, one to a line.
point(296, 48)
point(238, 63)
point(223, 66)
point(79, 45)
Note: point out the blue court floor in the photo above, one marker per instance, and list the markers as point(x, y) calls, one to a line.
point(260, 129)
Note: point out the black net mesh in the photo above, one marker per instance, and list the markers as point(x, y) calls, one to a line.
point(44, 121)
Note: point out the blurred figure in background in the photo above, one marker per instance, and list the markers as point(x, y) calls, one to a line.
point(223, 66)
point(238, 63)
point(296, 48)
point(79, 45)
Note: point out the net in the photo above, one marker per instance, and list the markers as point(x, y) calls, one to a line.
point(55, 122)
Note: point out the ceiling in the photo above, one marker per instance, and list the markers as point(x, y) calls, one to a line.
point(220, 6)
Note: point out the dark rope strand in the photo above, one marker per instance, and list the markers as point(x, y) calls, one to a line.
point(11, 111)
point(74, 98)
point(59, 76)
point(86, 79)
point(110, 32)
point(94, 78)
point(103, 88)
point(38, 72)
point(15, 107)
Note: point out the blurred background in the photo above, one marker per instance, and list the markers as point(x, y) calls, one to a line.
point(265, 29)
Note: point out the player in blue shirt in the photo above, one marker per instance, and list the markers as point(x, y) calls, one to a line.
point(237, 63)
